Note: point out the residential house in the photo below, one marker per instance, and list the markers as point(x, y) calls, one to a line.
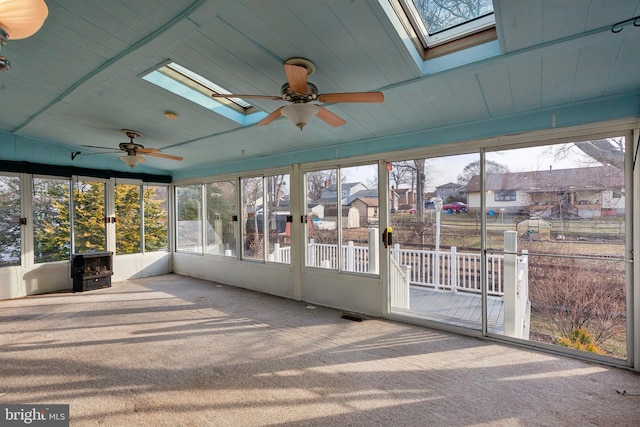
point(368, 209)
point(451, 191)
point(577, 192)
point(348, 191)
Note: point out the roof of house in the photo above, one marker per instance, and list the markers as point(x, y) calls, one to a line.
point(345, 186)
point(369, 201)
point(402, 190)
point(449, 185)
point(372, 192)
point(590, 178)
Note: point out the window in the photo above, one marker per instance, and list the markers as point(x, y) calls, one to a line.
point(438, 16)
point(141, 211)
point(253, 218)
point(341, 231)
point(196, 88)
point(89, 216)
point(278, 215)
point(202, 85)
point(128, 214)
point(575, 234)
point(359, 218)
point(321, 213)
point(444, 26)
point(504, 196)
point(273, 241)
point(155, 218)
point(189, 213)
point(10, 232)
point(51, 219)
point(437, 242)
point(221, 208)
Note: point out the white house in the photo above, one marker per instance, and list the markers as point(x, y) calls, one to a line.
point(578, 192)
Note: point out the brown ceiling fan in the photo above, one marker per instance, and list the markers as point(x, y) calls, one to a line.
point(301, 93)
point(135, 151)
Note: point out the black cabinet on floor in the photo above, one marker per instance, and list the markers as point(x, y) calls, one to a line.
point(91, 270)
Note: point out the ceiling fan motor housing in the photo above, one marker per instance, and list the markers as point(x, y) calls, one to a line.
point(131, 148)
point(289, 95)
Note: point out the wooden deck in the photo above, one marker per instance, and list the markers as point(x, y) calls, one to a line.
point(462, 309)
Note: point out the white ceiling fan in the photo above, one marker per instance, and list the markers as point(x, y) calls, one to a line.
point(303, 96)
point(135, 151)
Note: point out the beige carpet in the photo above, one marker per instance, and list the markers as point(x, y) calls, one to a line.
point(176, 351)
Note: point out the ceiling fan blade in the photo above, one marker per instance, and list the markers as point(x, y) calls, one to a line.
point(329, 117)
point(352, 97)
point(164, 156)
point(235, 95)
point(271, 117)
point(297, 78)
point(147, 150)
point(102, 148)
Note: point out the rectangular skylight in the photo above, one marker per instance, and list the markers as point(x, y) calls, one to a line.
point(196, 88)
point(197, 82)
point(440, 21)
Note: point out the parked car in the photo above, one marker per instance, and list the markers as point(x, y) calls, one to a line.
point(455, 207)
point(413, 210)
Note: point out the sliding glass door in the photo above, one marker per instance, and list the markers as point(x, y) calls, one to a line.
point(526, 243)
point(564, 208)
point(435, 263)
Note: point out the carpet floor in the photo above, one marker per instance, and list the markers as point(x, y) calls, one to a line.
point(176, 351)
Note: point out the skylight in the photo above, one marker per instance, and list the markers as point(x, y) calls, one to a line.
point(196, 88)
point(438, 22)
point(197, 82)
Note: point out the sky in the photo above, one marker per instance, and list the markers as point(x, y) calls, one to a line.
point(442, 170)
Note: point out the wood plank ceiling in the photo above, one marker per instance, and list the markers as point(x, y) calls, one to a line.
point(77, 81)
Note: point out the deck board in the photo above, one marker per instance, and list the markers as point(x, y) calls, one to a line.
point(462, 309)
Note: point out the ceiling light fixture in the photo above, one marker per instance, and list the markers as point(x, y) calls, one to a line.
point(300, 113)
point(131, 160)
point(19, 19)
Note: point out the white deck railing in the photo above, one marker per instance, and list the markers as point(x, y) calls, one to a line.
point(454, 271)
point(400, 278)
point(451, 270)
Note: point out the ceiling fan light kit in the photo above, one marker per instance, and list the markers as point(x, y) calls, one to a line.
point(300, 114)
point(20, 19)
point(301, 93)
point(131, 160)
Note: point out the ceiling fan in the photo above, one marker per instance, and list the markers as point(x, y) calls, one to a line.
point(135, 151)
point(301, 93)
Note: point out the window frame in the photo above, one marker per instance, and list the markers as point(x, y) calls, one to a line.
point(69, 181)
point(462, 36)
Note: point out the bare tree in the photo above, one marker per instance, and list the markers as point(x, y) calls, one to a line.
point(578, 294)
point(420, 185)
point(402, 173)
point(608, 151)
point(473, 168)
point(442, 14)
point(275, 188)
point(317, 180)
